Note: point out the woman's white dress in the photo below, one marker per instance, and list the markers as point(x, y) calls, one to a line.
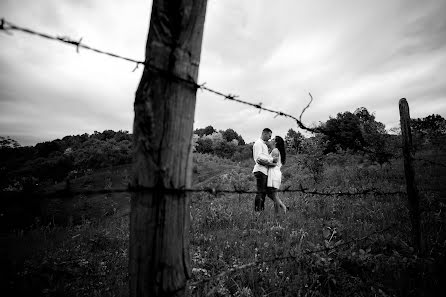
point(275, 175)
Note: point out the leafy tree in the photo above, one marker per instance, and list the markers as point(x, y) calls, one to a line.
point(369, 126)
point(204, 146)
point(205, 131)
point(225, 149)
point(429, 130)
point(215, 137)
point(195, 138)
point(230, 135)
point(44, 149)
point(375, 136)
point(242, 152)
point(54, 160)
point(8, 142)
point(55, 167)
point(222, 143)
point(433, 125)
point(240, 140)
point(293, 141)
point(358, 131)
point(313, 148)
point(122, 136)
point(343, 132)
point(75, 141)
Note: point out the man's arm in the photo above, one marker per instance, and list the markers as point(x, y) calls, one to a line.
point(275, 155)
point(267, 162)
point(264, 162)
point(256, 150)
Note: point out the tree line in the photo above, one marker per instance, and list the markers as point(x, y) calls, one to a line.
point(360, 132)
point(355, 132)
point(223, 143)
point(54, 161)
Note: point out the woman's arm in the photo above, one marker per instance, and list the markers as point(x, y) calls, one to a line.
point(276, 155)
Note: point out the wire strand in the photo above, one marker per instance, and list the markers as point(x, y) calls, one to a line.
point(7, 26)
point(288, 257)
point(209, 190)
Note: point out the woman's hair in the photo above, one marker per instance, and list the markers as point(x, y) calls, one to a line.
point(280, 145)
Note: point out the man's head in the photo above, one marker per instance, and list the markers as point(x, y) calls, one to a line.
point(266, 134)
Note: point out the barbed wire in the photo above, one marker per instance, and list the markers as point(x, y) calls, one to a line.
point(7, 26)
point(290, 256)
point(430, 162)
point(210, 190)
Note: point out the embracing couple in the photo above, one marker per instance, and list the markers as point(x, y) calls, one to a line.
point(267, 169)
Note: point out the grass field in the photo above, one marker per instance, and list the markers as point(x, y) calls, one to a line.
point(79, 246)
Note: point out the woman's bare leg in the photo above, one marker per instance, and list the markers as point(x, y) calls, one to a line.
point(279, 203)
point(272, 193)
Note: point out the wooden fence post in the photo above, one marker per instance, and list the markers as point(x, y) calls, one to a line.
point(412, 191)
point(159, 263)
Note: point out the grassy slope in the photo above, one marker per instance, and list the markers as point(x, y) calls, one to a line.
point(88, 256)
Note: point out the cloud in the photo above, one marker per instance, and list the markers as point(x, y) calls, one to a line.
point(347, 53)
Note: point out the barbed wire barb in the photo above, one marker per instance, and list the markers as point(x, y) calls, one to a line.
point(77, 46)
point(136, 67)
point(211, 190)
point(306, 107)
point(5, 26)
point(2, 27)
point(10, 26)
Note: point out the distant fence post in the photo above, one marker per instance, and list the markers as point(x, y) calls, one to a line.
point(412, 191)
point(159, 261)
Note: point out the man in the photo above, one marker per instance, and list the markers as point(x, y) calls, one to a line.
point(261, 169)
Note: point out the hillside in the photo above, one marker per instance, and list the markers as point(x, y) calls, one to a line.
point(79, 244)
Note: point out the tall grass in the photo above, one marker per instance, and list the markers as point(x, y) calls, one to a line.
point(90, 258)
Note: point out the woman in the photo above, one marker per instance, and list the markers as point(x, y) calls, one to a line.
point(274, 174)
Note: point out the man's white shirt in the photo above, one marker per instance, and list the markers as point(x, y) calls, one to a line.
point(258, 148)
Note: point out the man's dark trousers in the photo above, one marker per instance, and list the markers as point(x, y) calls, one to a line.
point(259, 202)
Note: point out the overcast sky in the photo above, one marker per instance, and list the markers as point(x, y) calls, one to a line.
point(347, 53)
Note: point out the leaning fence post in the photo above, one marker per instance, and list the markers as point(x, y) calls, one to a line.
point(412, 191)
point(159, 263)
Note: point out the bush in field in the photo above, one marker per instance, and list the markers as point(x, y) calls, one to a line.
point(343, 132)
point(204, 146)
point(294, 141)
point(429, 130)
point(358, 132)
point(218, 216)
point(225, 149)
point(208, 144)
point(8, 142)
point(314, 156)
point(238, 180)
point(199, 158)
point(53, 160)
point(242, 153)
point(230, 135)
point(205, 131)
point(225, 144)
